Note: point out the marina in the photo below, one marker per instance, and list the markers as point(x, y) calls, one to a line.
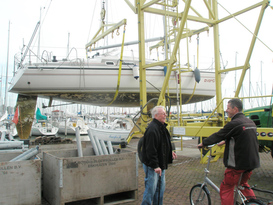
point(74, 127)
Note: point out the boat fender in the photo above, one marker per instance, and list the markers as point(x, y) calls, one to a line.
point(197, 75)
point(136, 72)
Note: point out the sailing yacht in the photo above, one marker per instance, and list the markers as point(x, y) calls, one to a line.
point(95, 80)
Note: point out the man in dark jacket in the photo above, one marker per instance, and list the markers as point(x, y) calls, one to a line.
point(156, 154)
point(241, 154)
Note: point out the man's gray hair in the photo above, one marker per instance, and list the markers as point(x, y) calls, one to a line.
point(155, 110)
point(235, 102)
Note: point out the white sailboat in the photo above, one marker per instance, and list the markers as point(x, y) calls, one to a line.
point(69, 126)
point(95, 80)
point(116, 136)
point(43, 128)
point(116, 131)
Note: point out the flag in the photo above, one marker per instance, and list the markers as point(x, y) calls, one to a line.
point(16, 116)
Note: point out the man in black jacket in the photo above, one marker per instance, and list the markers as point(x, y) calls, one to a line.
point(241, 154)
point(156, 155)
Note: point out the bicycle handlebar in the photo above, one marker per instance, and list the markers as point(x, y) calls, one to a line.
point(208, 147)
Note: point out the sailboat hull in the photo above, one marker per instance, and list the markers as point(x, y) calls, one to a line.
point(96, 82)
point(46, 129)
point(115, 136)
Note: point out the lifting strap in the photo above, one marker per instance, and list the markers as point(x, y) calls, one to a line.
point(120, 68)
point(197, 68)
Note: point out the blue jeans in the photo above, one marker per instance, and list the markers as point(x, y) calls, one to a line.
point(152, 187)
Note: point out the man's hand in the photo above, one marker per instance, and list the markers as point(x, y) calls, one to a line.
point(199, 146)
point(158, 171)
point(174, 155)
point(221, 143)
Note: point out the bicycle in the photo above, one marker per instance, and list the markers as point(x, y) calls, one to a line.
point(199, 193)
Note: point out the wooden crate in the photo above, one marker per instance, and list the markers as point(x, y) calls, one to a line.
point(106, 179)
point(20, 181)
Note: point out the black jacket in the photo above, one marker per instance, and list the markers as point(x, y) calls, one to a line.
point(242, 148)
point(156, 148)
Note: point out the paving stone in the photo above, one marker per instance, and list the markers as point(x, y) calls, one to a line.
point(186, 171)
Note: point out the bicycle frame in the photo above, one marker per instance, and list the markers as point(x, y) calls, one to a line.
point(207, 181)
point(206, 178)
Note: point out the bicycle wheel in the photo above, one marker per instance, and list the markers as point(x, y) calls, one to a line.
point(199, 195)
point(254, 202)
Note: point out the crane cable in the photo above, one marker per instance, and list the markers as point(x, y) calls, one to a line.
point(120, 68)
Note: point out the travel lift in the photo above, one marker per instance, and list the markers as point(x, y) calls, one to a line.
point(216, 120)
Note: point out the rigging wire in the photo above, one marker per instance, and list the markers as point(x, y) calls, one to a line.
point(43, 19)
point(48, 7)
point(245, 27)
point(91, 21)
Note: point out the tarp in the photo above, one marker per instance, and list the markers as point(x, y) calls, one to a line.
point(39, 115)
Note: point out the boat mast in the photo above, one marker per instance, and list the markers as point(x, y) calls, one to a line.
point(39, 39)
point(67, 52)
point(1, 81)
point(7, 72)
point(29, 44)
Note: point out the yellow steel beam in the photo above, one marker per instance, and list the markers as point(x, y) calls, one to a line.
point(131, 6)
point(218, 80)
point(149, 4)
point(206, 131)
point(185, 35)
point(107, 32)
point(173, 56)
point(243, 11)
point(142, 71)
point(160, 63)
point(258, 24)
point(174, 14)
point(211, 13)
point(232, 69)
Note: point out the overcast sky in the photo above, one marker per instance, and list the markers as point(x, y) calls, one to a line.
point(80, 19)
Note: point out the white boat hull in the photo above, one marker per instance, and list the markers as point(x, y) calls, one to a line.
point(39, 130)
point(69, 127)
point(95, 82)
point(115, 136)
point(71, 131)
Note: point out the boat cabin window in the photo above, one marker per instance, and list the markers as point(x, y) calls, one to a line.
point(109, 63)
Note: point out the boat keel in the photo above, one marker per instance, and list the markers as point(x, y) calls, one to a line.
point(27, 105)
